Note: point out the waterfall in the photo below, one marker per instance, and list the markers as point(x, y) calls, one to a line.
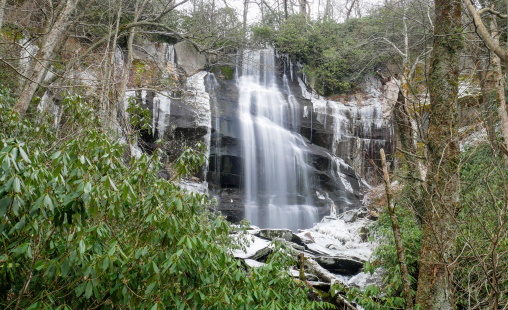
point(276, 172)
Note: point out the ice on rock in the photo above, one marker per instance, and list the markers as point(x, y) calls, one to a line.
point(201, 99)
point(335, 237)
point(194, 186)
point(253, 248)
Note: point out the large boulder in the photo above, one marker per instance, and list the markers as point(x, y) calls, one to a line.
point(340, 264)
point(189, 58)
point(284, 234)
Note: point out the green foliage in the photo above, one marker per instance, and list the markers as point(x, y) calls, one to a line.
point(262, 34)
point(190, 160)
point(81, 228)
point(6, 99)
point(371, 298)
point(390, 296)
point(334, 57)
point(223, 31)
point(140, 118)
point(386, 255)
point(481, 273)
point(227, 72)
point(12, 32)
point(9, 52)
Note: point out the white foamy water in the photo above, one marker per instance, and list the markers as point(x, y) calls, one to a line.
point(275, 168)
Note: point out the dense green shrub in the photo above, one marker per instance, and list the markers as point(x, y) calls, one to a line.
point(482, 260)
point(483, 225)
point(389, 296)
point(334, 55)
point(84, 227)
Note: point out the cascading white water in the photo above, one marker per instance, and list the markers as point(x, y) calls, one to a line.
point(275, 168)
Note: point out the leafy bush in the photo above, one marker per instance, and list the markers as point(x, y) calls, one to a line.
point(262, 34)
point(334, 57)
point(386, 255)
point(389, 296)
point(83, 227)
point(481, 270)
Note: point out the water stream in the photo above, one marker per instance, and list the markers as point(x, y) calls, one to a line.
point(276, 172)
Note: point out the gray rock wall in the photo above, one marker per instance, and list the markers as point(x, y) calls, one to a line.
point(343, 137)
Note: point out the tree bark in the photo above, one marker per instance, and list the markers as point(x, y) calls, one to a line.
point(43, 57)
point(303, 7)
point(397, 235)
point(435, 281)
point(328, 7)
point(108, 110)
point(121, 101)
point(245, 11)
point(494, 79)
point(483, 32)
point(498, 83)
point(3, 4)
point(484, 73)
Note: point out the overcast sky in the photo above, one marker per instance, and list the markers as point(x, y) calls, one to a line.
point(316, 7)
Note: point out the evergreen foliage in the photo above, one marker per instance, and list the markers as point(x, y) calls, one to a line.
point(389, 295)
point(84, 227)
point(481, 274)
point(332, 54)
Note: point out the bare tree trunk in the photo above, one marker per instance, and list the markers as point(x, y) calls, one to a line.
point(435, 281)
point(303, 7)
point(484, 74)
point(110, 77)
point(245, 11)
point(3, 4)
point(397, 235)
point(328, 8)
point(483, 32)
point(350, 9)
point(498, 83)
point(43, 57)
point(122, 104)
point(286, 15)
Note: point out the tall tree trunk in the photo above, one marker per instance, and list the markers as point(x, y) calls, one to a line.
point(488, 104)
point(110, 73)
point(303, 7)
point(286, 15)
point(349, 10)
point(122, 104)
point(435, 281)
point(43, 58)
point(245, 11)
point(3, 4)
point(397, 235)
point(328, 8)
point(498, 85)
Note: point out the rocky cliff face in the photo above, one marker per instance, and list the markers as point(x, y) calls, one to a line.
point(343, 136)
point(340, 137)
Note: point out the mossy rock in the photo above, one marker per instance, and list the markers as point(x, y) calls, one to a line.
point(227, 72)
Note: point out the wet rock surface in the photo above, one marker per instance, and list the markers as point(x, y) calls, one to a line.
point(340, 265)
point(333, 249)
point(342, 138)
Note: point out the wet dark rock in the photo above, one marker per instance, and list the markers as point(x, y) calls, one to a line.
point(284, 234)
point(364, 234)
point(262, 254)
point(231, 204)
point(164, 174)
point(340, 265)
point(271, 234)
